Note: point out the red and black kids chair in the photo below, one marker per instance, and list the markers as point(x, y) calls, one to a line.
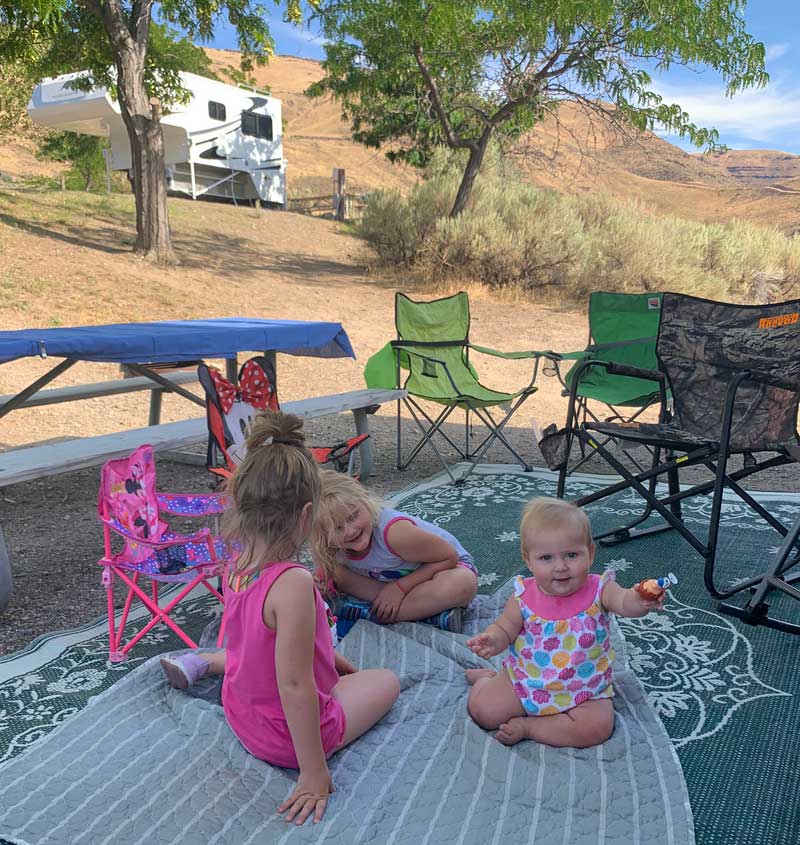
point(230, 409)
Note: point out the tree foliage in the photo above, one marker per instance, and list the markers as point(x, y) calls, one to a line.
point(422, 73)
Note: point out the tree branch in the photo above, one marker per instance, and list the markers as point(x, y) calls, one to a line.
point(110, 15)
point(139, 25)
point(452, 139)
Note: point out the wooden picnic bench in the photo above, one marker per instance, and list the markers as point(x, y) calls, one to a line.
point(32, 462)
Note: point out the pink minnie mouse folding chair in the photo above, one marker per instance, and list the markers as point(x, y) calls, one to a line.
point(230, 408)
point(129, 506)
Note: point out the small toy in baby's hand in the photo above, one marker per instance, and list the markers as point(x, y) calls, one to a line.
point(653, 588)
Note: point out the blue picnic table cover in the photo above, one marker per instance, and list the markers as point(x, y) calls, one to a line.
point(176, 340)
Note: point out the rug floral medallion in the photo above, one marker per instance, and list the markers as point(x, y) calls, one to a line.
point(726, 692)
point(34, 702)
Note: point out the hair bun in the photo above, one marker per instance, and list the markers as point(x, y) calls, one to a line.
point(273, 427)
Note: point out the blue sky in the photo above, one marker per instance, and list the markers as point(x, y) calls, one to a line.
point(767, 118)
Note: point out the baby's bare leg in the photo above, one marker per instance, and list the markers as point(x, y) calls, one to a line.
point(588, 724)
point(492, 700)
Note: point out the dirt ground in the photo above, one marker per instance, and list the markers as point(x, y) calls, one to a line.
point(240, 262)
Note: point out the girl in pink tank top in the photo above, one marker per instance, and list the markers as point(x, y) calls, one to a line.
point(555, 685)
point(282, 694)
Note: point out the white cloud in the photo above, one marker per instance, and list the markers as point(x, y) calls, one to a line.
point(761, 115)
point(775, 51)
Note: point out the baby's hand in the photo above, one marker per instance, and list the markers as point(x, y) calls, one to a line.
point(483, 645)
point(643, 603)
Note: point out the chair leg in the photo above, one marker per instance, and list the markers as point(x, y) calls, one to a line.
point(756, 610)
point(107, 579)
point(427, 438)
point(496, 432)
point(635, 482)
point(435, 428)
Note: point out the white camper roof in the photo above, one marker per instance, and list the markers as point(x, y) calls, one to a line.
point(56, 105)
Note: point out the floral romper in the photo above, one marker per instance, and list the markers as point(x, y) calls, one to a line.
point(557, 664)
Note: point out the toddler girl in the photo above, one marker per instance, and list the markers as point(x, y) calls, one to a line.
point(400, 567)
point(556, 631)
point(282, 695)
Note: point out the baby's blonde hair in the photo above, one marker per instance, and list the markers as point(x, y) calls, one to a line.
point(276, 480)
point(544, 513)
point(339, 495)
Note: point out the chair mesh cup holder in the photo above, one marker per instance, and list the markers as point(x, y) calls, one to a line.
point(553, 446)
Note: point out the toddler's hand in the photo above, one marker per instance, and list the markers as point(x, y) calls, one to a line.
point(387, 603)
point(483, 645)
point(309, 796)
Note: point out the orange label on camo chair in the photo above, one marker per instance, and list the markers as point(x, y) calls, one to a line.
point(780, 320)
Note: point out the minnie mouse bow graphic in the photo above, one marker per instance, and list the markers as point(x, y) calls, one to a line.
point(254, 389)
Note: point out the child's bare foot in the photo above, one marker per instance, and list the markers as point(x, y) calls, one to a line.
point(512, 731)
point(474, 674)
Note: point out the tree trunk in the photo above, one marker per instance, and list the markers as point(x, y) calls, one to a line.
point(143, 122)
point(472, 169)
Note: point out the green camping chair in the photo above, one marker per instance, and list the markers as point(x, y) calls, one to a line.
point(433, 347)
point(622, 330)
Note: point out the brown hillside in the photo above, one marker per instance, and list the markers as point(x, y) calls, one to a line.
point(757, 167)
point(571, 153)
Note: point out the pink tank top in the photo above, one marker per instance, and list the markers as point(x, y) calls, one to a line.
point(250, 695)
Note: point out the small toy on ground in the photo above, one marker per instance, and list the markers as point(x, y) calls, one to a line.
point(653, 588)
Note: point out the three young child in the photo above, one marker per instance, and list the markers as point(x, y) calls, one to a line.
point(293, 701)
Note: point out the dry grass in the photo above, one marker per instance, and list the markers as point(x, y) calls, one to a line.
point(516, 236)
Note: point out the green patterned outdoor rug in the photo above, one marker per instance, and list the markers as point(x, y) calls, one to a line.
point(726, 692)
point(57, 674)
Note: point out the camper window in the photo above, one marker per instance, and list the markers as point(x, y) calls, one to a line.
point(259, 125)
point(216, 111)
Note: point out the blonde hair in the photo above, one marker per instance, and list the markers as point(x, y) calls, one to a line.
point(339, 496)
point(276, 480)
point(544, 513)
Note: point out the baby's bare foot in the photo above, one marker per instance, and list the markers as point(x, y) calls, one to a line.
point(512, 731)
point(474, 674)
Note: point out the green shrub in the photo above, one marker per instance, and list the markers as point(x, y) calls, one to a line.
point(513, 235)
point(85, 155)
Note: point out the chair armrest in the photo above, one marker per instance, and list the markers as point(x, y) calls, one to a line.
point(548, 355)
point(515, 356)
point(201, 536)
point(617, 370)
point(635, 372)
point(401, 344)
point(192, 504)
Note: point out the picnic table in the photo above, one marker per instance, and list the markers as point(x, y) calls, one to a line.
point(144, 349)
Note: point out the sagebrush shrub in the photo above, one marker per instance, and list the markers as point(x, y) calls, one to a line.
point(514, 235)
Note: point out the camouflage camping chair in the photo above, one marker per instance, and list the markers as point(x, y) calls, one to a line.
point(734, 372)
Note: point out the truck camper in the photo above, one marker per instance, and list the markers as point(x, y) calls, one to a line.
point(226, 142)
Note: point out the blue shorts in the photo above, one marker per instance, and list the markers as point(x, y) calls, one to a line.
point(394, 574)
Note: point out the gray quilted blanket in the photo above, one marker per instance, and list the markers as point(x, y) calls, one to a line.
point(143, 763)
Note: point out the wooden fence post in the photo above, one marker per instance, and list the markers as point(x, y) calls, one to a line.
point(339, 193)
